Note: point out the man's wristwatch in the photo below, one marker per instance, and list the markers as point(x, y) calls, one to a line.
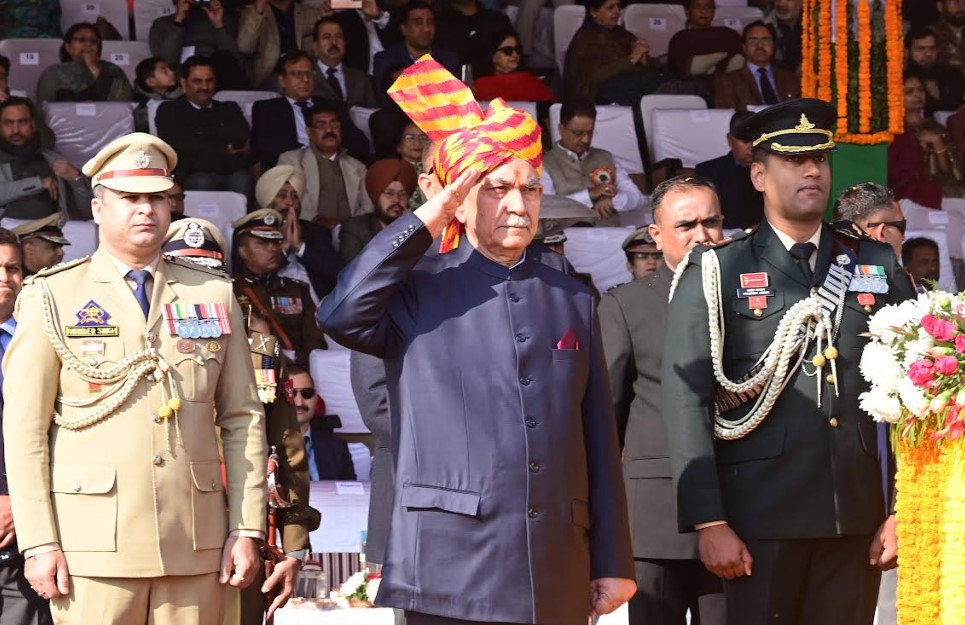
point(301, 554)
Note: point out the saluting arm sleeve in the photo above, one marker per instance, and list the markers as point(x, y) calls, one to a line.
point(356, 313)
point(688, 403)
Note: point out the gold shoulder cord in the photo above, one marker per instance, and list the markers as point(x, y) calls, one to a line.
point(119, 380)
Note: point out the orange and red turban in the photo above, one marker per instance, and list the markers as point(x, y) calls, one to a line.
point(444, 108)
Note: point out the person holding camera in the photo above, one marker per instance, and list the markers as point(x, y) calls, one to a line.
point(201, 28)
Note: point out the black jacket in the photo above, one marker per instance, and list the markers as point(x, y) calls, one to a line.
point(201, 137)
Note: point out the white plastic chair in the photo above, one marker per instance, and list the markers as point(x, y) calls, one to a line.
point(83, 128)
point(360, 117)
point(222, 208)
point(657, 23)
point(736, 17)
point(650, 103)
point(245, 99)
point(693, 135)
point(614, 133)
point(145, 12)
point(126, 55)
point(330, 371)
point(566, 21)
point(114, 11)
point(942, 117)
point(28, 59)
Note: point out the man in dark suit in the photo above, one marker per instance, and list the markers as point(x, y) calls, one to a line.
point(368, 385)
point(417, 22)
point(209, 136)
point(780, 473)
point(19, 604)
point(328, 455)
point(670, 577)
point(278, 124)
point(741, 203)
point(335, 80)
point(759, 81)
point(495, 465)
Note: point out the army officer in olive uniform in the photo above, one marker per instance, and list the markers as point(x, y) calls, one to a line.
point(776, 468)
point(124, 366)
point(285, 303)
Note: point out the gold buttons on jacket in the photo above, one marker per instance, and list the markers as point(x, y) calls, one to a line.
point(77, 487)
point(833, 423)
point(157, 460)
point(830, 378)
point(758, 313)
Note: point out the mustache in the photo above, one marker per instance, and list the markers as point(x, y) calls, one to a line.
point(517, 221)
point(329, 135)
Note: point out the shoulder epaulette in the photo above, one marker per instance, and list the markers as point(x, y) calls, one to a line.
point(49, 271)
point(180, 262)
point(849, 229)
point(737, 236)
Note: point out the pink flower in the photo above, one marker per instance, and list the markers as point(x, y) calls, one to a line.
point(946, 365)
point(940, 329)
point(960, 343)
point(922, 373)
point(954, 423)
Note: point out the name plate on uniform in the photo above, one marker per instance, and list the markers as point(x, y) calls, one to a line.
point(73, 332)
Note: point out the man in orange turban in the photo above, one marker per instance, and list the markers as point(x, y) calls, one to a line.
point(498, 393)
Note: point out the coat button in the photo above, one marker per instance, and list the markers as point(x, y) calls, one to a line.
point(92, 362)
point(155, 418)
point(157, 460)
point(830, 378)
point(534, 467)
point(833, 422)
point(513, 298)
point(77, 487)
point(520, 338)
point(532, 513)
point(531, 422)
point(524, 381)
point(151, 337)
point(758, 313)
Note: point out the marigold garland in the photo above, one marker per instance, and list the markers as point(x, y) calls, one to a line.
point(921, 484)
point(953, 535)
point(864, 66)
point(865, 84)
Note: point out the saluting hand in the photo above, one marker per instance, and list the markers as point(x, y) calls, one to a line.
point(239, 561)
point(285, 573)
point(441, 208)
point(723, 553)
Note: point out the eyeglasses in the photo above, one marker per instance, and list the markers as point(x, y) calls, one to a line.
point(400, 194)
point(510, 50)
point(80, 39)
point(306, 393)
point(901, 225)
point(644, 256)
point(423, 139)
point(334, 124)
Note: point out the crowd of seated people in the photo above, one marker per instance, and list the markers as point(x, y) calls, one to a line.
point(325, 62)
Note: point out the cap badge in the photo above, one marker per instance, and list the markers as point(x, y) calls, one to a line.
point(269, 220)
point(805, 123)
point(194, 235)
point(141, 159)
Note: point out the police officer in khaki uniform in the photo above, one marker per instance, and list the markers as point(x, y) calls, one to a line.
point(113, 459)
point(643, 257)
point(200, 241)
point(286, 303)
point(42, 242)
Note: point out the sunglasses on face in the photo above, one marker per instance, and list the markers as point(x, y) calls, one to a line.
point(901, 225)
point(306, 393)
point(510, 50)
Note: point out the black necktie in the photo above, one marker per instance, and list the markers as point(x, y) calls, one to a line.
point(767, 89)
point(336, 86)
point(140, 276)
point(802, 254)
